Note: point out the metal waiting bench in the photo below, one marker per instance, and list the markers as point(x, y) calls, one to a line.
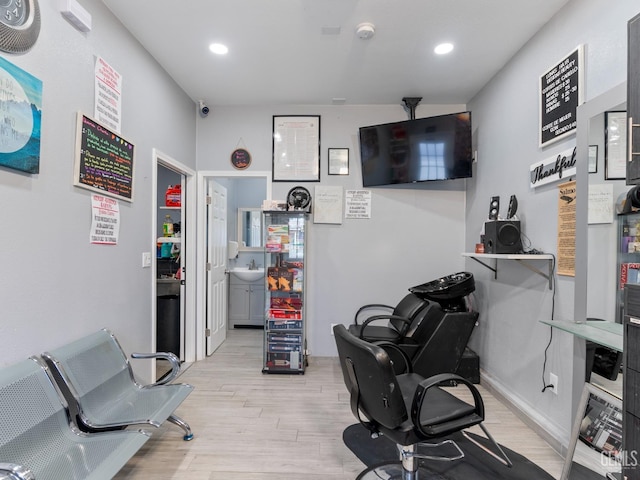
point(96, 378)
point(38, 440)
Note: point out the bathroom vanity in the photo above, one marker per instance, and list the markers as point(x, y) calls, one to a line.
point(246, 302)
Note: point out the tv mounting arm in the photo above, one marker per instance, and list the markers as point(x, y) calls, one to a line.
point(412, 103)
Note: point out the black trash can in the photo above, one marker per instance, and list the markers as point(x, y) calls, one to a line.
point(168, 324)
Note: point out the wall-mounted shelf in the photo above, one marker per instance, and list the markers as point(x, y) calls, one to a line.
point(523, 258)
point(169, 208)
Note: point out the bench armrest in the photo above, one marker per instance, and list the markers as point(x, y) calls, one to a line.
point(17, 472)
point(168, 356)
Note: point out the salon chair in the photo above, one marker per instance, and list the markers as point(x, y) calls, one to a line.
point(400, 319)
point(408, 409)
point(436, 341)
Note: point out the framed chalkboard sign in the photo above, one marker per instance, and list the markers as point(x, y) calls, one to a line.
point(104, 160)
point(240, 158)
point(561, 91)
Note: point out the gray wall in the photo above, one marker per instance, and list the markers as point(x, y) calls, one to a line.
point(512, 342)
point(56, 286)
point(414, 235)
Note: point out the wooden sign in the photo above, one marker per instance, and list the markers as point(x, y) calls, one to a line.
point(104, 160)
point(561, 91)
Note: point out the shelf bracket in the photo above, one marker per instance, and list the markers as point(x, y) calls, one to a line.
point(548, 277)
point(493, 269)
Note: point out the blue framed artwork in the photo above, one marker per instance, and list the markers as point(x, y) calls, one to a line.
point(20, 118)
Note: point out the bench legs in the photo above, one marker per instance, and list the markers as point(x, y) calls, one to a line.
point(176, 420)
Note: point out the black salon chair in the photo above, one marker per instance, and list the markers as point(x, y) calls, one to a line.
point(437, 345)
point(408, 409)
point(400, 319)
point(436, 340)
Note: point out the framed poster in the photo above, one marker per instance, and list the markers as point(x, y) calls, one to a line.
point(561, 91)
point(296, 148)
point(566, 263)
point(104, 160)
point(21, 95)
point(338, 161)
point(615, 145)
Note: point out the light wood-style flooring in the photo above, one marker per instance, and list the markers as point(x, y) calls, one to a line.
point(252, 426)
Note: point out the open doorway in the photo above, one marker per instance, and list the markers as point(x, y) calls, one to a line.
point(243, 190)
point(174, 267)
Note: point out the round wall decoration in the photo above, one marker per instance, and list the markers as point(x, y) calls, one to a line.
point(240, 158)
point(19, 25)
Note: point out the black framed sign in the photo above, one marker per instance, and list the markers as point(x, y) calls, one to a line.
point(593, 158)
point(104, 160)
point(561, 91)
point(240, 158)
point(296, 148)
point(338, 161)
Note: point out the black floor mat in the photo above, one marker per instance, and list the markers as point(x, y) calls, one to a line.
point(476, 465)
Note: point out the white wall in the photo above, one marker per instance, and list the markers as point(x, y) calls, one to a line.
point(56, 286)
point(512, 344)
point(414, 235)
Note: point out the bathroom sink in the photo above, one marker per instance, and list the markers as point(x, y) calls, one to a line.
point(243, 273)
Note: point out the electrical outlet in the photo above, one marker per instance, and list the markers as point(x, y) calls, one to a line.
point(553, 380)
point(333, 325)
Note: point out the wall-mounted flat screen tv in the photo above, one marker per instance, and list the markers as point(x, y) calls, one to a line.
point(419, 150)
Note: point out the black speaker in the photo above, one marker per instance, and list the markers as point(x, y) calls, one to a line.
point(502, 236)
point(513, 207)
point(494, 208)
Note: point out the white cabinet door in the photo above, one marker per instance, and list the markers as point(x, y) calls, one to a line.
point(257, 303)
point(238, 304)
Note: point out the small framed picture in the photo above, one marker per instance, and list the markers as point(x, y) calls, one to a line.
point(338, 161)
point(615, 145)
point(593, 158)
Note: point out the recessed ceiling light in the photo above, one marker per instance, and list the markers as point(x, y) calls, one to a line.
point(443, 48)
point(218, 48)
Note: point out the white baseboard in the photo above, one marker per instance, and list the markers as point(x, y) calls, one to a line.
point(543, 427)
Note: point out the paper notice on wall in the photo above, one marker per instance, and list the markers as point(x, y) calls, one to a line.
point(108, 101)
point(358, 204)
point(327, 205)
point(567, 229)
point(105, 220)
point(601, 203)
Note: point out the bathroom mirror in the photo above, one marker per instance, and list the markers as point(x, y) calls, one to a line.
point(249, 229)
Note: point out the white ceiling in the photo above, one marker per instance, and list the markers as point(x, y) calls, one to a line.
point(278, 53)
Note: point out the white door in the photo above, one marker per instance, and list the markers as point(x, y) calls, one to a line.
point(216, 315)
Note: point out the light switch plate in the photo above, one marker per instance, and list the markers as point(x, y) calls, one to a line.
point(146, 259)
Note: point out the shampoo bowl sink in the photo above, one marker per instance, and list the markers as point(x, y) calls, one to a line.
point(243, 273)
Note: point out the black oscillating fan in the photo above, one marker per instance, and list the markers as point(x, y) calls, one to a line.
point(298, 198)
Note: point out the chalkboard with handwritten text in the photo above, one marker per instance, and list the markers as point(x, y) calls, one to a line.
point(104, 160)
point(560, 94)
